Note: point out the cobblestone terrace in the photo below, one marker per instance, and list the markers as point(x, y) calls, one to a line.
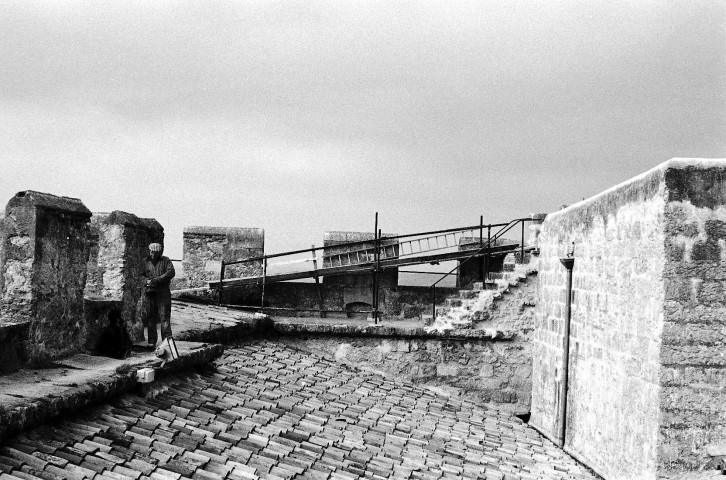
point(269, 411)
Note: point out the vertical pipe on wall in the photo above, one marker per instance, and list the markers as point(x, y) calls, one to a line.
point(568, 263)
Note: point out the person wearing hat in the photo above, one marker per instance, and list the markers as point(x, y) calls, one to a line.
point(158, 271)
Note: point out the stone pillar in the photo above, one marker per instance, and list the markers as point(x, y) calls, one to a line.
point(119, 244)
point(206, 247)
point(45, 249)
point(355, 290)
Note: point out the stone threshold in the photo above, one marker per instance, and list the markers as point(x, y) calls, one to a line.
point(31, 397)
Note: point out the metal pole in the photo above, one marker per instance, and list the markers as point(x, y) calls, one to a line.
point(568, 262)
point(479, 260)
point(486, 255)
point(375, 272)
point(221, 277)
point(264, 282)
point(433, 302)
point(378, 278)
point(318, 285)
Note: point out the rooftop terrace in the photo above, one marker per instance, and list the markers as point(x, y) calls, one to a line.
point(269, 411)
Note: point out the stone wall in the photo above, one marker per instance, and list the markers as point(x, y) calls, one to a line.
point(480, 369)
point(466, 361)
point(302, 299)
point(206, 247)
point(646, 389)
point(693, 358)
point(45, 249)
point(357, 288)
point(118, 245)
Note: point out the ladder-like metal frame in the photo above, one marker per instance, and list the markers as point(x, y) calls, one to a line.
point(380, 253)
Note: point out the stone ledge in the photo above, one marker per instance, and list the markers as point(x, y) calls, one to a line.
point(227, 333)
point(399, 332)
point(32, 397)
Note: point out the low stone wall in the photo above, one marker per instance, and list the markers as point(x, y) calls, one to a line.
point(302, 299)
point(646, 383)
point(486, 366)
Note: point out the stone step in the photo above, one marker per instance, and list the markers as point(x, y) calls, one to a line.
point(453, 302)
point(468, 294)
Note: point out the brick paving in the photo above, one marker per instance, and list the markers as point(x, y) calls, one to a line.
point(268, 411)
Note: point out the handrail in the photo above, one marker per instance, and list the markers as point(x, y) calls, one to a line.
point(378, 243)
point(384, 239)
point(485, 247)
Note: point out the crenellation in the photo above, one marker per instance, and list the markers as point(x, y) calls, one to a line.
point(45, 251)
point(118, 245)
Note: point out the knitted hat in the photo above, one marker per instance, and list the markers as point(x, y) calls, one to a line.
point(155, 247)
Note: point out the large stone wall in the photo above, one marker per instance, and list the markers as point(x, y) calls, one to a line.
point(206, 247)
point(45, 249)
point(118, 245)
point(646, 381)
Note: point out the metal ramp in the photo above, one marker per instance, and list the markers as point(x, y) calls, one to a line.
point(382, 252)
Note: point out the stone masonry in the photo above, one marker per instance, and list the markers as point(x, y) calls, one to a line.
point(647, 370)
point(118, 245)
point(206, 247)
point(45, 250)
point(357, 288)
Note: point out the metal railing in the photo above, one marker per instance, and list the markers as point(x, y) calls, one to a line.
point(484, 252)
point(371, 255)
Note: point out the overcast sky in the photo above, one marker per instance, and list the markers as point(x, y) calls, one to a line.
point(301, 117)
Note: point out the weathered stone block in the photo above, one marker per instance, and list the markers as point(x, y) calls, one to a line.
point(45, 246)
point(206, 247)
point(118, 247)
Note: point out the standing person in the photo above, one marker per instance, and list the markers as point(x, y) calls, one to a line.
point(158, 272)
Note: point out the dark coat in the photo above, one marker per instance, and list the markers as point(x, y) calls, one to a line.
point(162, 271)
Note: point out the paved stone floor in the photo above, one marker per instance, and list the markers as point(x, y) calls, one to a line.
point(269, 411)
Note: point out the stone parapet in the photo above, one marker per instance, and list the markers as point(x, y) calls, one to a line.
point(45, 249)
point(645, 385)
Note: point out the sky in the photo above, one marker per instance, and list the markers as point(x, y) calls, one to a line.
point(303, 117)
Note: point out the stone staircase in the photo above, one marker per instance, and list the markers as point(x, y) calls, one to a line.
point(481, 306)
